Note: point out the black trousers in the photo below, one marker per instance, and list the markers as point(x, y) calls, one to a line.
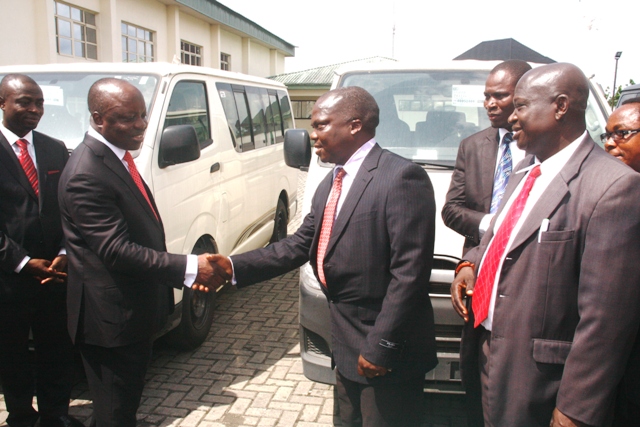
point(380, 405)
point(116, 380)
point(44, 313)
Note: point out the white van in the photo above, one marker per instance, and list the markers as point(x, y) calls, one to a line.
point(424, 114)
point(212, 156)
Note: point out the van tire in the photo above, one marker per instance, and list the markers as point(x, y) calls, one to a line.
point(197, 309)
point(281, 221)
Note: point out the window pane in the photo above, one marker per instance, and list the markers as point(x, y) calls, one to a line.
point(91, 35)
point(124, 44)
point(140, 33)
point(78, 34)
point(149, 50)
point(92, 51)
point(141, 48)
point(64, 10)
point(90, 18)
point(78, 49)
point(124, 56)
point(131, 30)
point(76, 14)
point(64, 28)
point(131, 57)
point(131, 45)
point(64, 46)
point(148, 36)
point(123, 28)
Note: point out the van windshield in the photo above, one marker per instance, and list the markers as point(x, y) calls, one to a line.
point(425, 114)
point(66, 115)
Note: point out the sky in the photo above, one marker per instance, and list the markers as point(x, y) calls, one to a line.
point(587, 33)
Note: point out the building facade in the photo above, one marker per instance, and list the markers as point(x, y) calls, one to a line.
point(196, 32)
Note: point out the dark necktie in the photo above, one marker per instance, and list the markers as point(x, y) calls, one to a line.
point(27, 164)
point(503, 171)
point(136, 178)
point(489, 269)
point(327, 222)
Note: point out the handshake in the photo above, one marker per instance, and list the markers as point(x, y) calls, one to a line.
point(213, 271)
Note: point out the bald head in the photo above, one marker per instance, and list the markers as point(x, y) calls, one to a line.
point(118, 112)
point(353, 102)
point(22, 103)
point(550, 103)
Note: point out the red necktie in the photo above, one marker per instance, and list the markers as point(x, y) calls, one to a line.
point(487, 275)
point(327, 222)
point(136, 178)
point(27, 164)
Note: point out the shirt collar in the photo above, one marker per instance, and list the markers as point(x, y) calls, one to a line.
point(501, 133)
point(119, 152)
point(12, 137)
point(352, 165)
point(558, 160)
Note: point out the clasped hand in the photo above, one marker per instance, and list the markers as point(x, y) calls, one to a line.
point(47, 271)
point(213, 271)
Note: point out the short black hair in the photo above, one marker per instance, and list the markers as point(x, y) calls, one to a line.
point(360, 104)
point(516, 68)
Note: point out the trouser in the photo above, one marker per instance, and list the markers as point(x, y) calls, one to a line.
point(116, 380)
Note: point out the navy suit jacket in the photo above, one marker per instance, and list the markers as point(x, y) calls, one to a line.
point(29, 225)
point(377, 267)
point(120, 277)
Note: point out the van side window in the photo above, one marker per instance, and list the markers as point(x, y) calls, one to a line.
point(257, 117)
point(188, 106)
point(285, 108)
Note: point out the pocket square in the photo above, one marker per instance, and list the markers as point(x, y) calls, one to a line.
point(52, 172)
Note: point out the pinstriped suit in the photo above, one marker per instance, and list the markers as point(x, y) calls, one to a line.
point(377, 267)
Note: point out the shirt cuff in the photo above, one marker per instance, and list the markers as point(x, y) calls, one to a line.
point(191, 271)
point(24, 262)
point(62, 251)
point(484, 224)
point(233, 276)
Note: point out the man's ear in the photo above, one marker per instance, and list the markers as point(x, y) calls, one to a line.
point(97, 118)
point(562, 106)
point(356, 126)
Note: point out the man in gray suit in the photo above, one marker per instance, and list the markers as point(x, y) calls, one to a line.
point(485, 159)
point(554, 301)
point(374, 263)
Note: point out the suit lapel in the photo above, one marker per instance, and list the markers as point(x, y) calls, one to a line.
point(117, 167)
point(10, 160)
point(554, 193)
point(488, 155)
point(360, 183)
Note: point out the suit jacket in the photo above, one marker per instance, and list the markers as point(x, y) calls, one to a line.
point(567, 313)
point(469, 196)
point(377, 267)
point(120, 277)
point(29, 226)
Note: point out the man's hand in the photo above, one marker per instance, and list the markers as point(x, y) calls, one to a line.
point(57, 271)
point(462, 285)
point(558, 419)
point(44, 270)
point(369, 370)
point(212, 272)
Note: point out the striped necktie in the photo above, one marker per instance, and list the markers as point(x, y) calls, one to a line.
point(503, 171)
point(489, 269)
point(138, 180)
point(27, 164)
point(327, 222)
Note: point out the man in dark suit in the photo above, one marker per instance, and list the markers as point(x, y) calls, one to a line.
point(478, 180)
point(622, 140)
point(555, 301)
point(374, 263)
point(120, 277)
point(32, 261)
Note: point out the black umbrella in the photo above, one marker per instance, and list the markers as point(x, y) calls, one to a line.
point(501, 50)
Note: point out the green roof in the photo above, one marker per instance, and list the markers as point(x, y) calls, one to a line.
point(225, 16)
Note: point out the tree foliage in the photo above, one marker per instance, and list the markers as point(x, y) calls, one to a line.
point(613, 99)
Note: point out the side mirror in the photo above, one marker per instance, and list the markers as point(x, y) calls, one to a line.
point(297, 149)
point(178, 144)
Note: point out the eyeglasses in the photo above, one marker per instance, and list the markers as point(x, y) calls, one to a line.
point(618, 135)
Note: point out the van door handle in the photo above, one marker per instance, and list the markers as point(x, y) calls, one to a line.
point(214, 167)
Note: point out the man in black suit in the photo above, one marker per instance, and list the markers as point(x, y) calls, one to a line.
point(477, 184)
point(120, 275)
point(32, 261)
point(374, 263)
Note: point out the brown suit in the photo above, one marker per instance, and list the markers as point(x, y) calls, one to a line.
point(566, 316)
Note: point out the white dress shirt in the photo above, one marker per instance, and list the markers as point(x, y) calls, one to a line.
point(192, 260)
point(548, 171)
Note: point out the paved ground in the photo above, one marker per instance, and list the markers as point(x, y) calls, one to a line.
point(247, 373)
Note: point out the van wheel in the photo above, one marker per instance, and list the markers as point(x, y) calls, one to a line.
point(197, 309)
point(281, 222)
